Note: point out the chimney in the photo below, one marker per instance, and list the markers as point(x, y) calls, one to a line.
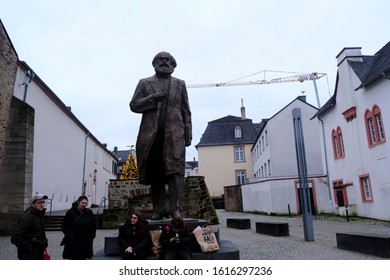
point(354, 54)
point(302, 97)
point(242, 110)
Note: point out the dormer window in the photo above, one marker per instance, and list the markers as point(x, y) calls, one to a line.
point(237, 131)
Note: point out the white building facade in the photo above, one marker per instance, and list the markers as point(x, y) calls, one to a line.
point(356, 124)
point(68, 160)
point(274, 155)
point(274, 186)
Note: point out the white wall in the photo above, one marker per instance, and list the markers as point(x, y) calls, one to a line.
point(275, 196)
point(281, 143)
point(359, 158)
point(59, 144)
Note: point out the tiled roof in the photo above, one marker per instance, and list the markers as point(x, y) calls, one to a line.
point(121, 155)
point(372, 67)
point(191, 164)
point(369, 70)
point(221, 132)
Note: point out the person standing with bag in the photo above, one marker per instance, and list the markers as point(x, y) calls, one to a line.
point(29, 236)
point(79, 227)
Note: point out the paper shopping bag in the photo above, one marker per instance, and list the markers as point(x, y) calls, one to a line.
point(206, 239)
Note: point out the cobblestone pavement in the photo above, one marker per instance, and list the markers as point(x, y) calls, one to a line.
point(254, 246)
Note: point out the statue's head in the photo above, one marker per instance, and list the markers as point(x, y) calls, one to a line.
point(164, 63)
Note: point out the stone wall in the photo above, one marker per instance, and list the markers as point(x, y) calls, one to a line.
point(198, 200)
point(16, 169)
point(121, 192)
point(233, 198)
point(130, 195)
point(8, 67)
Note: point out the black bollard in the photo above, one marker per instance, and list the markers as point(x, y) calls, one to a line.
point(346, 212)
point(289, 211)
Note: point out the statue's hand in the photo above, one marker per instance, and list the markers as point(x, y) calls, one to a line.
point(159, 96)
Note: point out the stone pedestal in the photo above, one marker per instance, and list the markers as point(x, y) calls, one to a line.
point(130, 195)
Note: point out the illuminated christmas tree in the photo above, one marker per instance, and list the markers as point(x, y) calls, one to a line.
point(129, 169)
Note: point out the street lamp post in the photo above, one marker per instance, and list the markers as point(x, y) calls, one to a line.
point(302, 172)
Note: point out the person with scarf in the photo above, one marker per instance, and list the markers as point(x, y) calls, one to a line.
point(79, 227)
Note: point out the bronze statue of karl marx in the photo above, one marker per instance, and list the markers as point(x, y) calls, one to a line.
point(164, 132)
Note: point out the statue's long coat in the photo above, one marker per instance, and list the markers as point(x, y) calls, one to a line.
point(178, 126)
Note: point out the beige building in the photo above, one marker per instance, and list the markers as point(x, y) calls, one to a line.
point(224, 153)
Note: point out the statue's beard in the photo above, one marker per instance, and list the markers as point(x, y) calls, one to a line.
point(164, 69)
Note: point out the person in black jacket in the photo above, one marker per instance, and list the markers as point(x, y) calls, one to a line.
point(134, 237)
point(29, 236)
point(79, 227)
point(175, 241)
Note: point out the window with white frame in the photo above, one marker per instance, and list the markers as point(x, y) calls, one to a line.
point(372, 130)
point(341, 141)
point(266, 138)
point(269, 167)
point(237, 131)
point(381, 131)
point(96, 153)
point(240, 177)
point(374, 127)
point(239, 155)
point(365, 188)
point(262, 141)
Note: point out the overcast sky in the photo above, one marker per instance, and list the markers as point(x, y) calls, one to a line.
point(92, 53)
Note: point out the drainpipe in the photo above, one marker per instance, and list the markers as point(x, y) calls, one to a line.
point(326, 165)
point(30, 76)
point(85, 158)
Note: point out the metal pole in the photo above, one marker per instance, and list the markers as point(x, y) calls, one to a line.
point(302, 172)
point(316, 90)
point(326, 165)
point(85, 160)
